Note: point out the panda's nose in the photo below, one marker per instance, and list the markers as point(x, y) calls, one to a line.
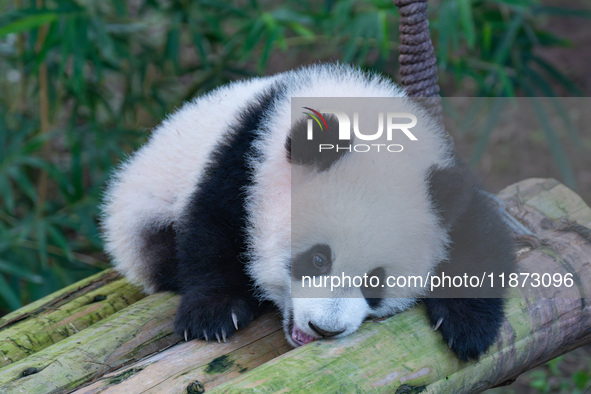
point(324, 333)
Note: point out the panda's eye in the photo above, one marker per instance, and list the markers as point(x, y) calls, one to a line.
point(319, 260)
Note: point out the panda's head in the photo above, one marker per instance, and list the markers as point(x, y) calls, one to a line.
point(360, 216)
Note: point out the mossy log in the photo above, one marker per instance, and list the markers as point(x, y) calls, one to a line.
point(134, 332)
point(199, 364)
point(127, 352)
point(64, 313)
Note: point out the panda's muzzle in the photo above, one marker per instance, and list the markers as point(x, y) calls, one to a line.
point(324, 333)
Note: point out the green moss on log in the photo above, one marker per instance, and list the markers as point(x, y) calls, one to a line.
point(121, 338)
point(64, 316)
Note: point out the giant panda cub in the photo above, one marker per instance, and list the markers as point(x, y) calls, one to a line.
point(204, 209)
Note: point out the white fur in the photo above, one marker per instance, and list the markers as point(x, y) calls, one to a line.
point(151, 188)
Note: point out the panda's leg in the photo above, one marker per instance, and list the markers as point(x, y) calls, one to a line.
point(215, 305)
point(217, 296)
point(481, 245)
point(469, 319)
point(468, 325)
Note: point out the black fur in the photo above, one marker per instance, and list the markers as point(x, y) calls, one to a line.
point(159, 250)
point(470, 325)
point(481, 242)
point(373, 295)
point(451, 189)
point(300, 150)
point(211, 239)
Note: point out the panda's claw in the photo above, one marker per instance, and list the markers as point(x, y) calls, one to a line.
point(186, 336)
point(235, 320)
point(213, 317)
point(469, 326)
point(438, 324)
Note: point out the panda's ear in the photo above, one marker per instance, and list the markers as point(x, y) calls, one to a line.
point(451, 189)
point(301, 151)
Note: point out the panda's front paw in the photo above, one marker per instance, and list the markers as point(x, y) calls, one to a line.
point(213, 317)
point(468, 325)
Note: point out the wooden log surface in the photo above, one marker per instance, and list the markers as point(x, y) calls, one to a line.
point(134, 332)
point(56, 299)
point(64, 313)
point(126, 351)
point(63, 316)
point(198, 363)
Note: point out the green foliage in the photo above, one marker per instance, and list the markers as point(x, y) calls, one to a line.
point(553, 378)
point(116, 68)
point(499, 58)
point(492, 44)
point(484, 113)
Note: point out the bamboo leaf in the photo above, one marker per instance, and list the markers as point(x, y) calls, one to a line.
point(556, 147)
point(28, 22)
point(173, 37)
point(59, 239)
point(559, 108)
point(507, 43)
point(467, 21)
point(41, 236)
point(487, 38)
point(254, 34)
point(8, 294)
point(302, 30)
point(557, 75)
point(7, 194)
point(383, 34)
point(22, 180)
point(12, 268)
point(200, 41)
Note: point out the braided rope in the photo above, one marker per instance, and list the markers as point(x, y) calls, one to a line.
point(418, 65)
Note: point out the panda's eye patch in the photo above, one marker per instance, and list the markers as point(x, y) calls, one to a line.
point(317, 260)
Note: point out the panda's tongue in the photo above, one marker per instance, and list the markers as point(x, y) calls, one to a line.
point(300, 337)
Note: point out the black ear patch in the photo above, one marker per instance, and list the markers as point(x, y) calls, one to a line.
point(323, 151)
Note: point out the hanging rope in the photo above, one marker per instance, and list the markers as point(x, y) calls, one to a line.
point(418, 68)
point(418, 64)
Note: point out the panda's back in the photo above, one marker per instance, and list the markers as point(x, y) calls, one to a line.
point(151, 188)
